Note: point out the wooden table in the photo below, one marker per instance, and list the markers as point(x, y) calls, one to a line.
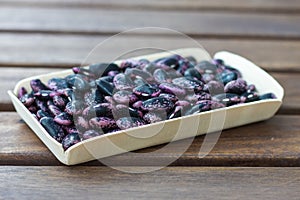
point(257, 161)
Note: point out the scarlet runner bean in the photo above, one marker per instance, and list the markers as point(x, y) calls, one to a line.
point(105, 97)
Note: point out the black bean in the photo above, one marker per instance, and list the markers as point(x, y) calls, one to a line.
point(193, 73)
point(57, 83)
point(63, 119)
point(129, 122)
point(105, 87)
point(90, 134)
point(206, 67)
point(40, 114)
point(37, 85)
point(267, 96)
point(228, 99)
point(157, 104)
point(102, 69)
point(54, 129)
point(146, 91)
point(70, 140)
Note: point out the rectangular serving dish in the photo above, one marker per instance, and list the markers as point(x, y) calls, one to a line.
point(167, 131)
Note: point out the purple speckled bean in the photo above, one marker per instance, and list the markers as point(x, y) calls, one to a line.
point(188, 84)
point(193, 98)
point(228, 99)
point(182, 103)
point(129, 122)
point(63, 119)
point(103, 123)
point(238, 86)
point(146, 91)
point(134, 73)
point(123, 82)
point(54, 110)
point(70, 140)
point(57, 83)
point(125, 97)
point(99, 110)
point(37, 85)
point(27, 99)
point(40, 114)
point(206, 67)
point(137, 104)
point(81, 123)
point(251, 88)
point(130, 63)
point(22, 91)
point(120, 111)
point(169, 96)
point(32, 109)
point(204, 105)
point(113, 73)
point(90, 134)
point(208, 77)
point(249, 97)
point(214, 87)
point(173, 89)
point(42, 105)
point(152, 117)
point(74, 108)
point(157, 104)
point(60, 101)
point(70, 129)
point(161, 76)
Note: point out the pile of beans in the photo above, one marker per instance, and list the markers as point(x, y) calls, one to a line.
point(106, 97)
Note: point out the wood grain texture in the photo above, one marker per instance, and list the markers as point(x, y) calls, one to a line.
point(10, 76)
point(232, 5)
point(168, 183)
point(274, 142)
point(104, 21)
point(291, 85)
point(47, 50)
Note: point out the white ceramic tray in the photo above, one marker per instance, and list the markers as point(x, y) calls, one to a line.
point(171, 130)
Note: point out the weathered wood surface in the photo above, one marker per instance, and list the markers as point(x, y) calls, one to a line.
point(274, 142)
point(48, 50)
point(167, 183)
point(108, 21)
point(41, 36)
point(231, 5)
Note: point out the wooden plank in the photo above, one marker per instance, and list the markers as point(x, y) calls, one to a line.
point(274, 142)
point(291, 85)
point(236, 5)
point(10, 76)
point(167, 183)
point(103, 21)
point(71, 50)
